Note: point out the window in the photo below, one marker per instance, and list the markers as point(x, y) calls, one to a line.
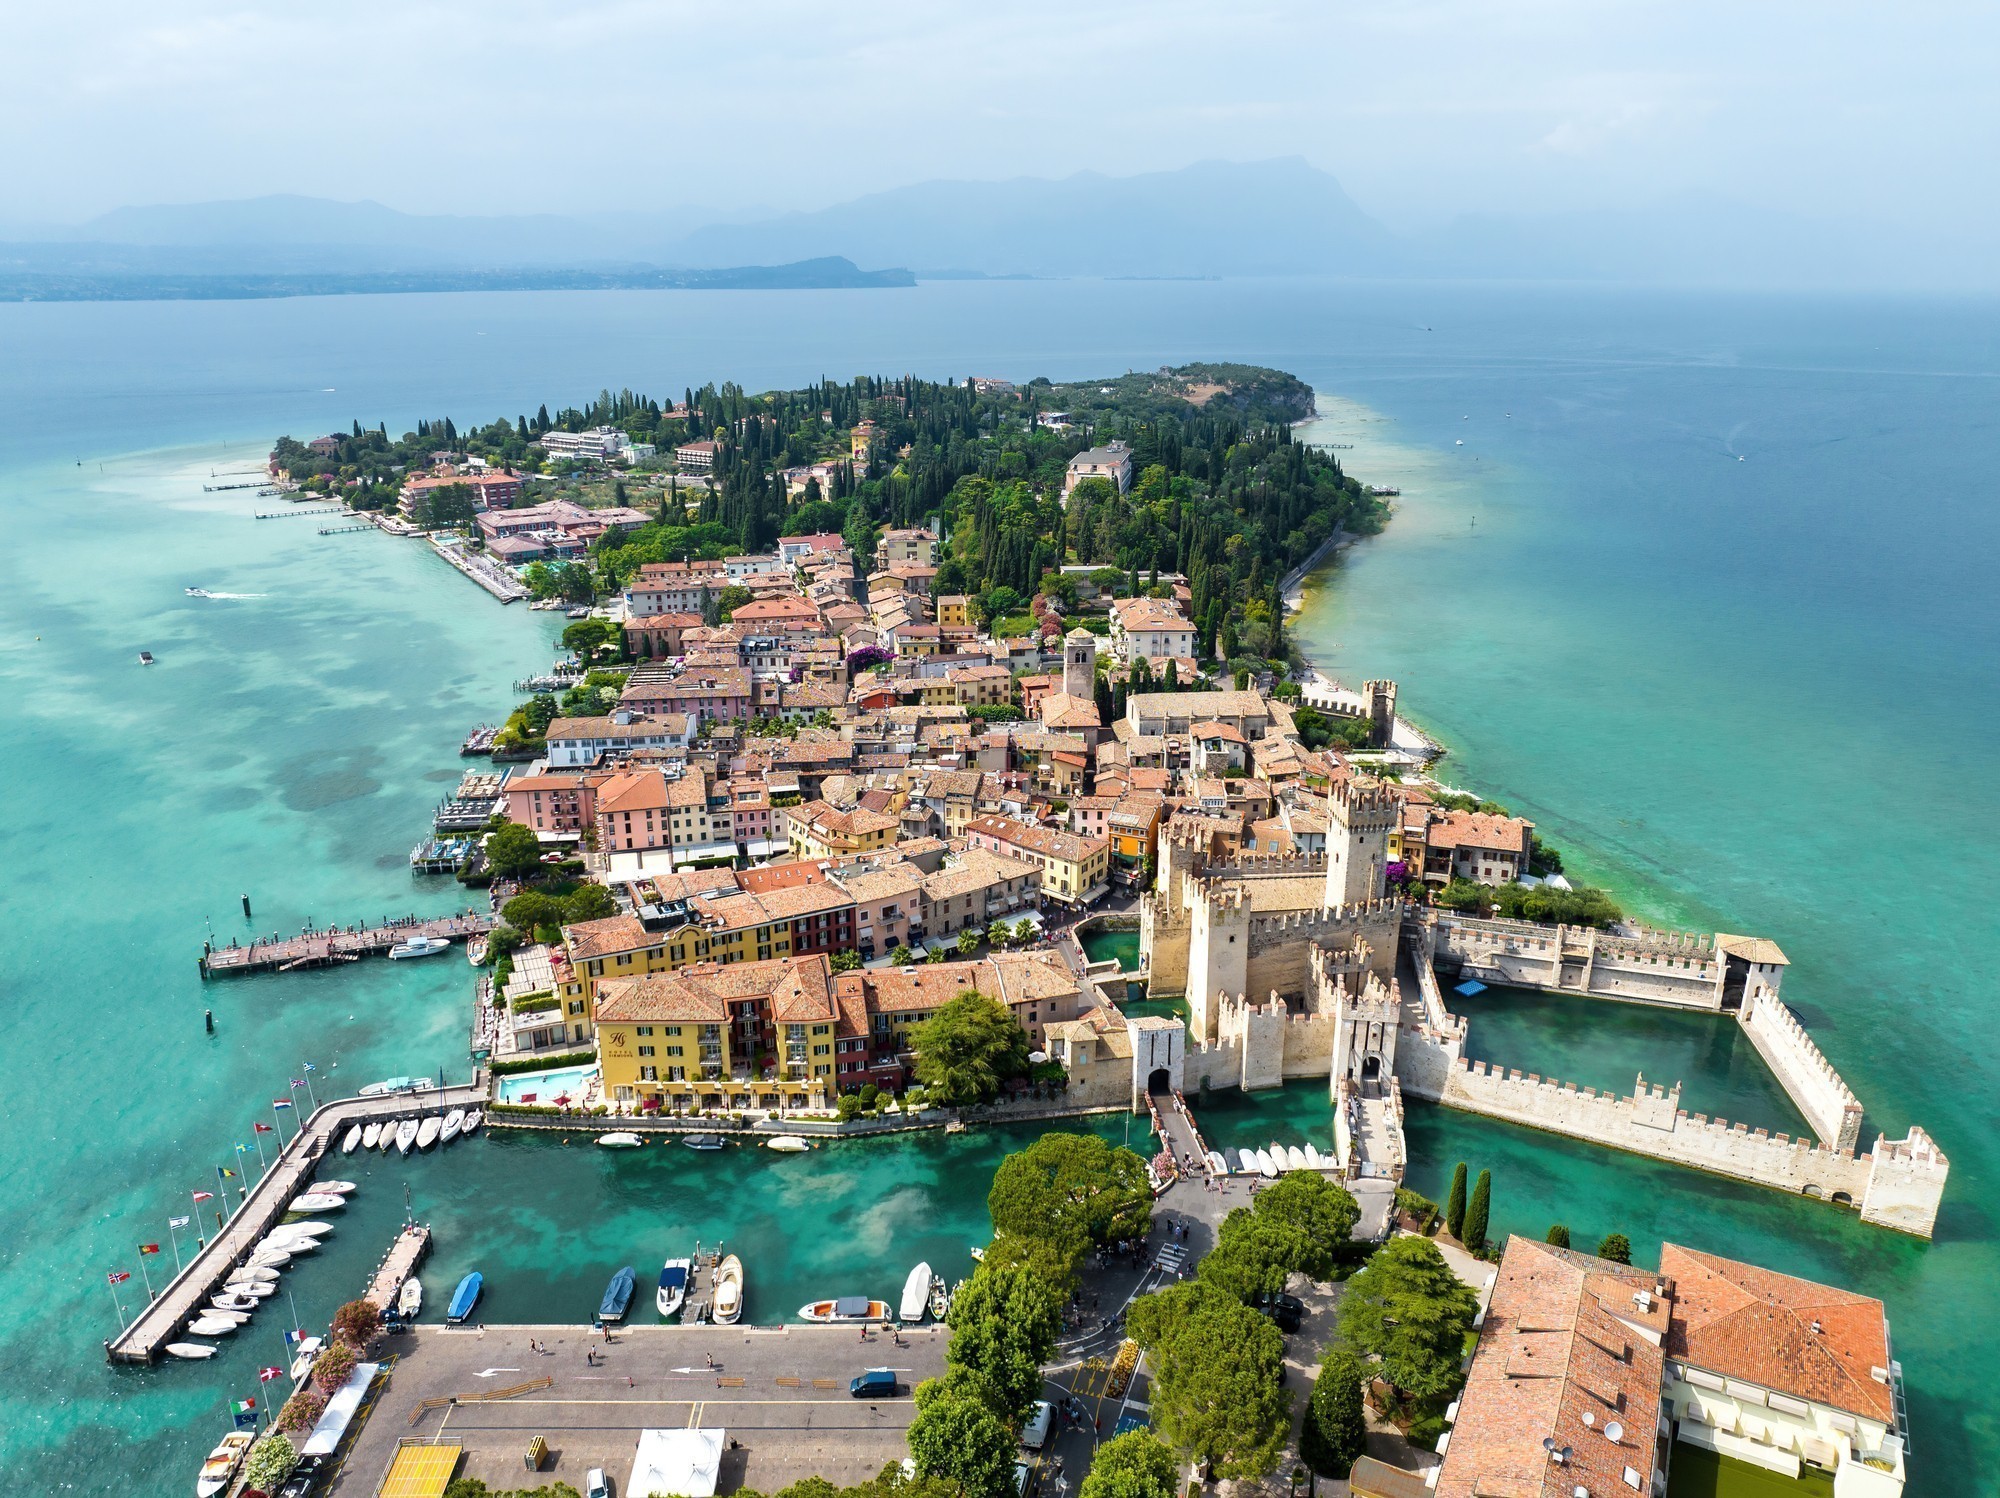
point(648, 1074)
point(672, 1050)
point(645, 1050)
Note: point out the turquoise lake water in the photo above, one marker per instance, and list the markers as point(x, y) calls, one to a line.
point(1740, 693)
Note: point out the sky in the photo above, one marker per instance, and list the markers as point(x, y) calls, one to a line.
point(1424, 109)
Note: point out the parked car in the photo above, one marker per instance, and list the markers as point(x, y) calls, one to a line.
point(1286, 1310)
point(1020, 1480)
point(876, 1383)
point(1036, 1430)
point(594, 1485)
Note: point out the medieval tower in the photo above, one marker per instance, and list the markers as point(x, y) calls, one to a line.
point(1080, 664)
point(1363, 812)
point(1381, 713)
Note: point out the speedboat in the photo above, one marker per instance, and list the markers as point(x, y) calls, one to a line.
point(371, 1136)
point(388, 1140)
point(727, 1304)
point(212, 1326)
point(308, 1354)
point(1313, 1157)
point(406, 1135)
point(1265, 1166)
point(353, 1140)
point(419, 946)
point(672, 1294)
point(620, 1141)
point(253, 1275)
point(393, 1084)
point(617, 1296)
point(1216, 1164)
point(192, 1351)
point(940, 1298)
point(195, 592)
point(917, 1293)
point(220, 1468)
point(234, 1314)
point(318, 1201)
point(845, 1308)
point(450, 1128)
point(465, 1297)
point(427, 1131)
point(308, 1233)
point(338, 1188)
point(410, 1298)
point(145, 657)
point(1295, 1157)
point(236, 1300)
point(269, 1258)
point(1278, 1157)
point(787, 1144)
point(472, 1121)
point(703, 1141)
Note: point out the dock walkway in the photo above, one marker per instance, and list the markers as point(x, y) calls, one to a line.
point(340, 944)
point(410, 1249)
point(263, 1208)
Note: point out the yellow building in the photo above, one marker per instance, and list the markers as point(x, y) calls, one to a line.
point(954, 611)
point(817, 830)
point(1072, 867)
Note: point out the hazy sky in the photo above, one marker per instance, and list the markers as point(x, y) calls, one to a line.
point(1423, 108)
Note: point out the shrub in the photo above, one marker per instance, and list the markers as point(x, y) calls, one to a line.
point(271, 1462)
point(302, 1411)
point(542, 1063)
point(333, 1367)
point(357, 1322)
point(1477, 1213)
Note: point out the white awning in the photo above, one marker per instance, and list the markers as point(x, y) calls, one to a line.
point(340, 1410)
point(683, 1462)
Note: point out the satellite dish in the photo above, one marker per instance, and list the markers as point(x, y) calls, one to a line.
point(1613, 1430)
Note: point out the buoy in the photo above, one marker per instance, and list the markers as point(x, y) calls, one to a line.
point(246, 907)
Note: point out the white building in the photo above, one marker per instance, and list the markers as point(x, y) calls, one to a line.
point(599, 443)
point(1112, 461)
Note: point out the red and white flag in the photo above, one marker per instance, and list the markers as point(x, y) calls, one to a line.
point(204, 1196)
point(119, 1276)
point(265, 1375)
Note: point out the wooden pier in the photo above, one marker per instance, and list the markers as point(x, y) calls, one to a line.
point(311, 949)
point(264, 1208)
point(411, 1248)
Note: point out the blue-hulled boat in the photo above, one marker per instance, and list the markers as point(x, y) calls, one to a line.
point(617, 1296)
point(465, 1297)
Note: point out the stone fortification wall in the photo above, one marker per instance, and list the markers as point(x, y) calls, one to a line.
point(1432, 1040)
point(1650, 1122)
point(1806, 1075)
point(1163, 944)
point(1278, 944)
point(1656, 967)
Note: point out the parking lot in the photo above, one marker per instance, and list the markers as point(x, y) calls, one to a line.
point(780, 1395)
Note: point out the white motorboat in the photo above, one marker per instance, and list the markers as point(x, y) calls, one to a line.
point(317, 1201)
point(241, 1298)
point(252, 1275)
point(473, 1120)
point(1217, 1166)
point(427, 1131)
point(849, 1308)
point(454, 1122)
point(1265, 1165)
point(410, 1299)
point(419, 946)
point(1278, 1158)
point(916, 1294)
point(787, 1144)
point(337, 1188)
point(940, 1298)
point(233, 1314)
point(219, 1471)
point(406, 1135)
point(311, 1232)
point(1313, 1158)
point(672, 1293)
point(353, 1140)
point(211, 1326)
point(303, 1361)
point(192, 1351)
point(371, 1136)
point(620, 1141)
point(270, 1258)
point(1295, 1157)
point(289, 1247)
point(727, 1303)
point(388, 1140)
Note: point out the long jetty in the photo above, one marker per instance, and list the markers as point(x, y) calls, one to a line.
point(263, 1207)
point(311, 949)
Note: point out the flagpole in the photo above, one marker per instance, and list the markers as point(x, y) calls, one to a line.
point(112, 1285)
point(147, 1277)
point(242, 1189)
point(278, 1115)
point(175, 1238)
point(309, 1086)
point(263, 1165)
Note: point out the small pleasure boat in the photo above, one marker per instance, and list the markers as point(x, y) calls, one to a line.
point(419, 946)
point(1313, 1157)
point(353, 1140)
point(727, 1303)
point(393, 1084)
point(294, 1232)
point(318, 1201)
point(230, 1313)
point(192, 1351)
point(703, 1141)
point(252, 1275)
point(427, 1131)
point(787, 1144)
point(145, 657)
point(617, 1297)
point(620, 1141)
point(1278, 1157)
point(472, 1121)
point(406, 1135)
point(388, 1140)
point(845, 1308)
point(916, 1294)
point(452, 1125)
point(371, 1136)
point(1265, 1166)
point(211, 1326)
point(220, 1469)
point(270, 1258)
point(307, 1355)
point(338, 1188)
point(1295, 1157)
point(465, 1297)
point(672, 1294)
point(940, 1298)
point(410, 1298)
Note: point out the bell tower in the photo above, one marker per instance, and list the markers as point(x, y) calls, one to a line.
point(1080, 664)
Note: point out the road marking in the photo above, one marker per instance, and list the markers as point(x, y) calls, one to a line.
point(488, 1373)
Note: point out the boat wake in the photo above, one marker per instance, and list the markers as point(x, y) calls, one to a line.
point(205, 593)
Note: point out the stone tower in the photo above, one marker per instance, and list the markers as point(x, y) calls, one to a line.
point(1080, 664)
point(1362, 813)
point(1381, 713)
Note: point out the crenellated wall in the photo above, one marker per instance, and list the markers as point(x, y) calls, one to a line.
point(1815, 1088)
point(1278, 943)
point(1674, 968)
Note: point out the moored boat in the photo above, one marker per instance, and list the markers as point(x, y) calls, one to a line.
point(1265, 1166)
point(410, 1298)
point(317, 1201)
point(388, 1140)
point(406, 1135)
point(234, 1314)
point(1313, 1157)
point(452, 1126)
point(353, 1140)
point(465, 1297)
point(418, 946)
point(219, 1470)
point(427, 1131)
point(192, 1351)
point(672, 1293)
point(1295, 1157)
point(211, 1326)
point(617, 1298)
point(371, 1136)
point(703, 1141)
point(307, 1355)
point(1216, 1164)
point(620, 1140)
point(940, 1298)
point(845, 1308)
point(472, 1121)
point(787, 1144)
point(727, 1303)
point(335, 1188)
point(916, 1293)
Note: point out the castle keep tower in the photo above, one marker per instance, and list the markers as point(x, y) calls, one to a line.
point(1381, 713)
point(1080, 664)
point(1363, 812)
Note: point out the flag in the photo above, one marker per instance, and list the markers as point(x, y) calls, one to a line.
point(178, 1222)
point(225, 1174)
point(118, 1277)
point(294, 1337)
point(298, 1081)
point(245, 1411)
point(204, 1196)
point(309, 1066)
point(263, 1128)
point(265, 1375)
point(149, 1248)
point(281, 1102)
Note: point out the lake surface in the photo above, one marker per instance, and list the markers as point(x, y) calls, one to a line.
point(1740, 693)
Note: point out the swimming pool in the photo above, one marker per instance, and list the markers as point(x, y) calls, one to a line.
point(546, 1086)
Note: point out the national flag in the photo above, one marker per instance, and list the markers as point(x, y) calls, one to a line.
point(119, 1276)
point(178, 1222)
point(298, 1081)
point(264, 1128)
point(149, 1248)
point(281, 1102)
point(228, 1175)
point(204, 1196)
point(294, 1337)
point(245, 1411)
point(309, 1066)
point(265, 1375)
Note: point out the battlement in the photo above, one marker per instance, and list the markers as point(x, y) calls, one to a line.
point(1362, 800)
point(1330, 917)
point(1916, 1148)
point(1253, 864)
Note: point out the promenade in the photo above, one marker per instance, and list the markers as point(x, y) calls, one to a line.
point(262, 1208)
point(310, 949)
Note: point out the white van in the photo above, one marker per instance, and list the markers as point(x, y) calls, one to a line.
point(1036, 1430)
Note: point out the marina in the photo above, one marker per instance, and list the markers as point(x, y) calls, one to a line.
point(311, 949)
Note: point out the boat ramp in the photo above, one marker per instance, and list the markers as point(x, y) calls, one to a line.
point(313, 948)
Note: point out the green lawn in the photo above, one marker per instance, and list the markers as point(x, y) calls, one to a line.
point(1703, 1474)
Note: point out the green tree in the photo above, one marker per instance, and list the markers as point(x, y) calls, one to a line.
point(574, 583)
point(531, 910)
point(1301, 1224)
point(513, 850)
point(270, 1463)
point(541, 579)
point(1217, 1366)
point(1408, 1309)
point(957, 1437)
point(1559, 1236)
point(845, 962)
point(593, 640)
point(1004, 1322)
point(968, 1047)
point(1135, 1465)
point(968, 942)
point(1454, 1202)
point(1335, 1431)
point(730, 600)
point(1071, 1191)
point(1478, 1212)
point(901, 956)
point(1616, 1247)
point(588, 902)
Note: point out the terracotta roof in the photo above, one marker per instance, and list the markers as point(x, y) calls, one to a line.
point(1043, 840)
point(1060, 710)
point(1789, 1335)
point(634, 791)
point(1210, 729)
point(615, 933)
point(976, 869)
point(1479, 829)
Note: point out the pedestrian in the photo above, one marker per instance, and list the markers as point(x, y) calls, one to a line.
point(711, 1362)
point(628, 1382)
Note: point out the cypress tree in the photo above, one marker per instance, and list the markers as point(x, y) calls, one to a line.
point(1616, 1247)
point(1454, 1204)
point(1474, 1236)
point(1559, 1236)
point(1335, 1433)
